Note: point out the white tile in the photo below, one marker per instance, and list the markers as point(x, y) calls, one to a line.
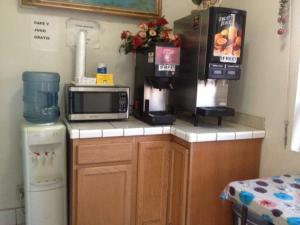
point(204, 137)
point(90, 134)
point(241, 135)
point(181, 129)
point(180, 133)
point(113, 132)
point(167, 130)
point(225, 136)
point(259, 134)
point(191, 137)
point(8, 217)
point(132, 126)
point(74, 134)
point(133, 131)
point(153, 130)
point(20, 216)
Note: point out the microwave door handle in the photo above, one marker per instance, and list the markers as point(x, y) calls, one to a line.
point(127, 102)
point(69, 102)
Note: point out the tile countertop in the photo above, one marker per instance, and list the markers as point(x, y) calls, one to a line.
point(181, 129)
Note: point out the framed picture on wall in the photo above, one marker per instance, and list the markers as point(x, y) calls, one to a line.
point(134, 8)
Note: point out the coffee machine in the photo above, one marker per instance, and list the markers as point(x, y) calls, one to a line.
point(211, 56)
point(155, 70)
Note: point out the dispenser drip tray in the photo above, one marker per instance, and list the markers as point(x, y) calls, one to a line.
point(217, 111)
point(159, 118)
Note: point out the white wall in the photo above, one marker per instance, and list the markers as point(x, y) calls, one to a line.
point(16, 56)
point(263, 88)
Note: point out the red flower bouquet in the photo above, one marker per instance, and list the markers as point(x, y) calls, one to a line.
point(149, 34)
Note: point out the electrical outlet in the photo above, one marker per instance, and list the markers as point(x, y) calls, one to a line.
point(20, 193)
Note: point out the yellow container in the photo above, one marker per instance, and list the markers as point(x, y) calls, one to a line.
point(105, 79)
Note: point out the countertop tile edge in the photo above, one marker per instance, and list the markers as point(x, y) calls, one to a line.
point(243, 135)
point(93, 133)
point(205, 137)
point(116, 132)
point(180, 133)
point(167, 130)
point(153, 131)
point(189, 136)
point(73, 133)
point(259, 134)
point(225, 136)
point(133, 132)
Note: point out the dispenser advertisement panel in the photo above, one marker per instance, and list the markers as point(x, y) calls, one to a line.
point(167, 58)
point(228, 37)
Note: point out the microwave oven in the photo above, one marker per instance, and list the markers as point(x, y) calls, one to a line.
point(84, 103)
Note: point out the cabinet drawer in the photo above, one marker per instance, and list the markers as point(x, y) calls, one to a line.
point(102, 153)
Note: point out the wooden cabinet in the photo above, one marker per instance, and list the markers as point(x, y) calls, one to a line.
point(212, 166)
point(152, 189)
point(104, 195)
point(178, 184)
point(104, 153)
point(102, 181)
point(156, 180)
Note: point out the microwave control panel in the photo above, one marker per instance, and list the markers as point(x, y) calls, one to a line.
point(123, 102)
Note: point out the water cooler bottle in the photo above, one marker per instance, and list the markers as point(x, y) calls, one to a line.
point(44, 163)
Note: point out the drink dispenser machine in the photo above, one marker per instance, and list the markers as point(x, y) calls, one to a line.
point(211, 55)
point(155, 70)
point(44, 163)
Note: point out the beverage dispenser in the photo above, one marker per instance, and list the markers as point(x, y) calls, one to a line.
point(211, 56)
point(154, 75)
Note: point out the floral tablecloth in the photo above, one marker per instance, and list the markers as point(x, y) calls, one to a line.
point(276, 199)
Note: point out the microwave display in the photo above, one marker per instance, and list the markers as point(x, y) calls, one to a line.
point(93, 102)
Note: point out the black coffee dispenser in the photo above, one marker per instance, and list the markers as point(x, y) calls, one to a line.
point(211, 55)
point(155, 70)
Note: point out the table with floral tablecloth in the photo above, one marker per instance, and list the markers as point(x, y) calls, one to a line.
point(276, 199)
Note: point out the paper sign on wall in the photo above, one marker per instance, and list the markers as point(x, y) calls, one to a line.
point(44, 33)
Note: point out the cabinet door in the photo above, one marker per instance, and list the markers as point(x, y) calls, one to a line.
point(153, 170)
point(213, 166)
point(104, 195)
point(178, 185)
